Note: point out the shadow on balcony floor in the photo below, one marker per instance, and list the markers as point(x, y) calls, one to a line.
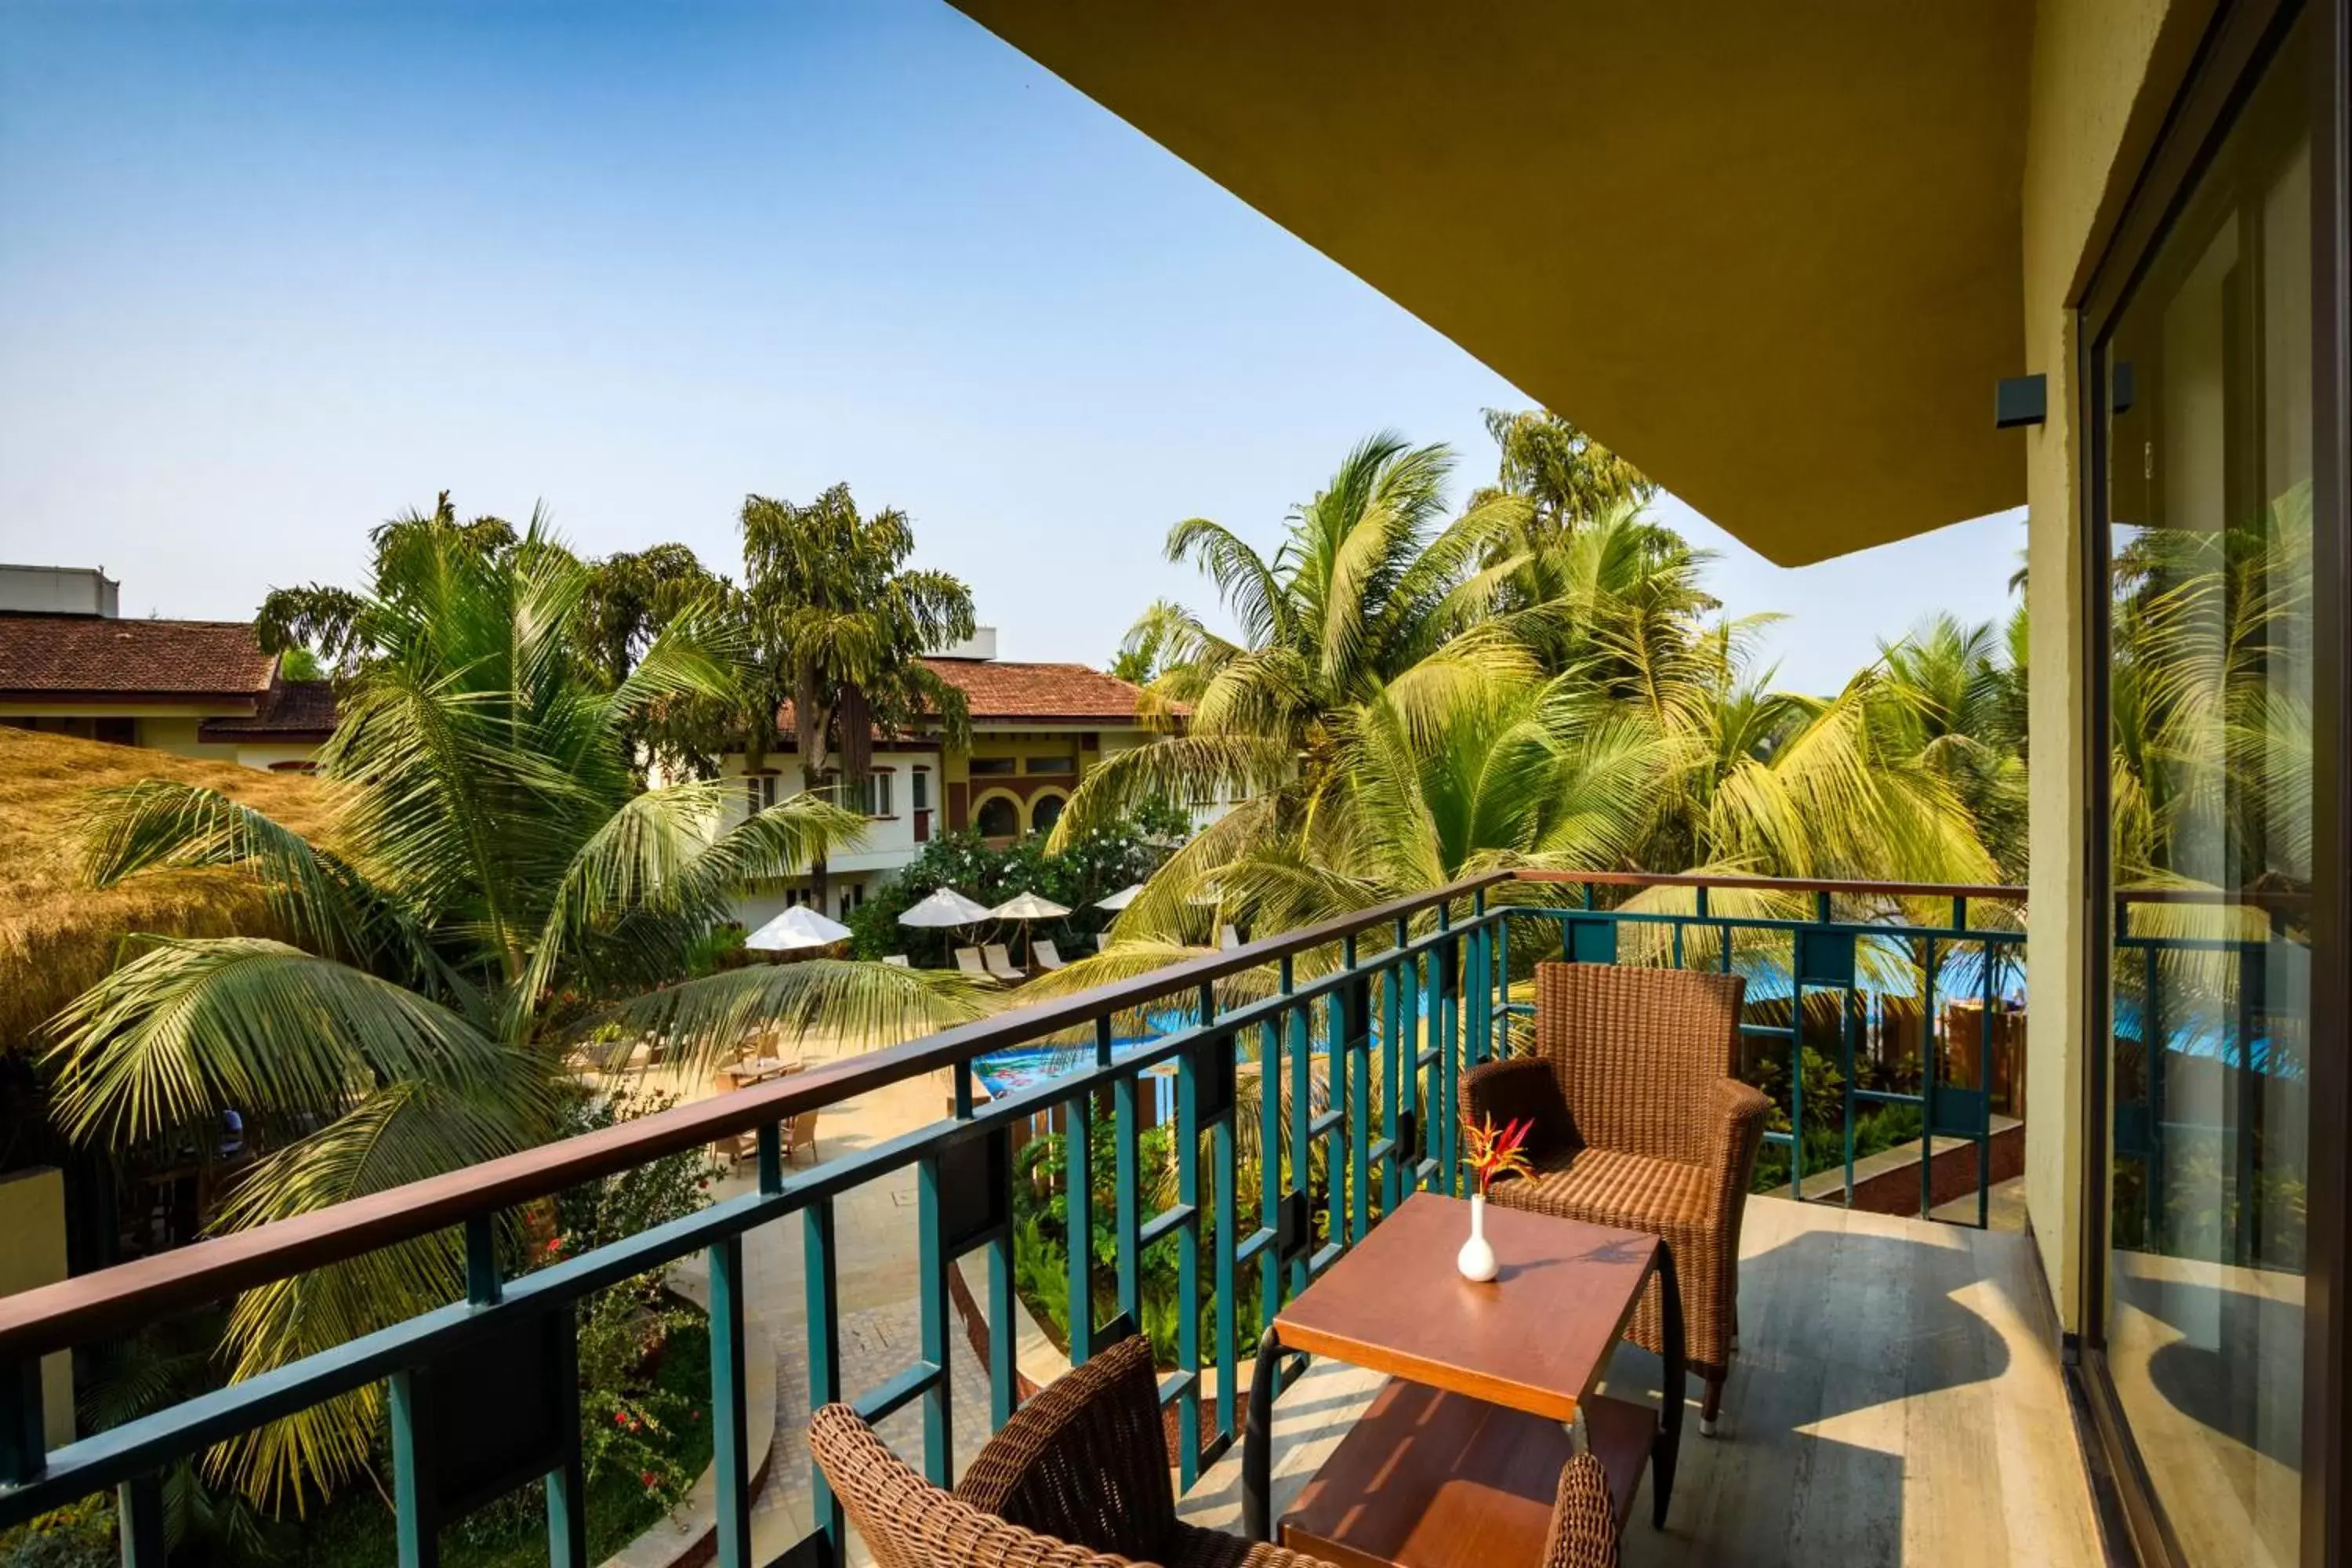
point(1897, 1400)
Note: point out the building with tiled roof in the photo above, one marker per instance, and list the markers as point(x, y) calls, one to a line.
point(1037, 730)
point(1011, 693)
point(69, 664)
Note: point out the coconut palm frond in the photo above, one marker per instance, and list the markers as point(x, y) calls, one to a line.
point(191, 1029)
point(1171, 768)
point(841, 1004)
point(319, 898)
point(407, 1131)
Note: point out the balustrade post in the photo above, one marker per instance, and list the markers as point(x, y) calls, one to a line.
point(24, 1441)
point(821, 1290)
point(1188, 1268)
point(729, 1457)
point(565, 1487)
point(939, 1451)
point(139, 1521)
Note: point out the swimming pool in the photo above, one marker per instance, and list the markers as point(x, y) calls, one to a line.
point(1009, 1071)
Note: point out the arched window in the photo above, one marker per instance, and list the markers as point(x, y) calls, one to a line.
point(997, 817)
point(1045, 811)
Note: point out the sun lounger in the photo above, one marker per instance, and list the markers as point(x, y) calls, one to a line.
point(897, 961)
point(968, 961)
point(1229, 939)
point(1000, 964)
point(1047, 958)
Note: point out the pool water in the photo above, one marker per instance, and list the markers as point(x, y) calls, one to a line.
point(1010, 1071)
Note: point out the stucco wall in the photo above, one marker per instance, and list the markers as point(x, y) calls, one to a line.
point(2104, 71)
point(33, 1253)
point(889, 842)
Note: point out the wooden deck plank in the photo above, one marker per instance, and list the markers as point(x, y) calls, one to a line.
point(1897, 1400)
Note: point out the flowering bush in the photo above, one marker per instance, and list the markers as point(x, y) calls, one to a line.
point(1100, 864)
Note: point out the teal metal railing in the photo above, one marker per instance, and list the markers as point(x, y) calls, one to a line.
point(1357, 1032)
point(1859, 955)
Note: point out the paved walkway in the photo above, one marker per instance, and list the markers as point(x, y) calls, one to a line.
point(876, 1259)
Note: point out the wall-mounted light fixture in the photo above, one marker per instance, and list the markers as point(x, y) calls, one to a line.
point(2021, 400)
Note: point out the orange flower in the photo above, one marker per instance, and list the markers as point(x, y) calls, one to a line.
point(1493, 1153)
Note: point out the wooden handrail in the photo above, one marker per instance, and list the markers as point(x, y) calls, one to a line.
point(1996, 892)
point(118, 1300)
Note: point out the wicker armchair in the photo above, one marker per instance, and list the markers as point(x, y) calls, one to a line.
point(1639, 1124)
point(1079, 1479)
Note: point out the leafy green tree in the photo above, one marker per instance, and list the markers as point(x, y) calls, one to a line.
point(330, 622)
point(836, 624)
point(496, 887)
point(630, 598)
point(1964, 715)
point(1568, 477)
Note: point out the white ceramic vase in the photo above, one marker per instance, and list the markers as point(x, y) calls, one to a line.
point(1477, 1259)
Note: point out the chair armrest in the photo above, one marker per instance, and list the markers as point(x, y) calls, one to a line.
point(1523, 1087)
point(1735, 1128)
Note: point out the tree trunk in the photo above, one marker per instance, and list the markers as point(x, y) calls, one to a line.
point(812, 770)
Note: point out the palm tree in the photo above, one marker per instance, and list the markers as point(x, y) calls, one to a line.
point(1370, 591)
point(1409, 702)
point(836, 624)
point(495, 887)
point(1964, 715)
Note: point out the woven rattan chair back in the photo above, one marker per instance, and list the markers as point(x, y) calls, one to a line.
point(906, 1523)
point(1085, 1461)
point(1636, 1052)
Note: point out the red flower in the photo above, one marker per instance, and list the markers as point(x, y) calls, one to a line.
point(554, 1245)
point(1493, 1153)
point(620, 1419)
point(650, 1482)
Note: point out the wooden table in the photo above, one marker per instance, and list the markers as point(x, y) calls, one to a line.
point(1459, 1460)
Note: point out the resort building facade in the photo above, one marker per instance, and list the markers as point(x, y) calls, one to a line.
point(70, 664)
point(1035, 730)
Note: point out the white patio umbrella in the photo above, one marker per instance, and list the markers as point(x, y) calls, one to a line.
point(944, 908)
point(797, 928)
point(1026, 907)
point(1121, 899)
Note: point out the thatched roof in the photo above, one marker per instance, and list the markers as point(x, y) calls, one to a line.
point(58, 934)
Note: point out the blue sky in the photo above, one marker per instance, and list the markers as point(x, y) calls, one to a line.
point(270, 273)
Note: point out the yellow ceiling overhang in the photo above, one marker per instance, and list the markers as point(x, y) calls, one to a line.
point(1769, 252)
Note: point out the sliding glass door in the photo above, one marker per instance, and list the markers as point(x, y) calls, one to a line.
point(2206, 668)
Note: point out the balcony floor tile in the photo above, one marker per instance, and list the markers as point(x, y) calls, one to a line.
point(1897, 1400)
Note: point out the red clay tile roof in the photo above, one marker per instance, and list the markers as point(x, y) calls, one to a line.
point(1063, 693)
point(293, 710)
point(1002, 693)
point(92, 655)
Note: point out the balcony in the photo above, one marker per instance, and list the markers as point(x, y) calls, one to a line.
point(1896, 1396)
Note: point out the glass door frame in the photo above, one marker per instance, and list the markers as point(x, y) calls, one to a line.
point(2237, 47)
